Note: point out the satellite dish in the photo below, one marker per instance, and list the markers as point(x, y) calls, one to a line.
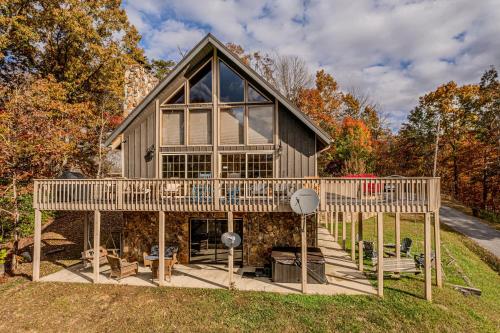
point(231, 239)
point(304, 201)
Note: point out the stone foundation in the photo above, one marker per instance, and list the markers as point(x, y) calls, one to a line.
point(261, 231)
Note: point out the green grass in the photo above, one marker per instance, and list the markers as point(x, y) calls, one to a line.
point(85, 307)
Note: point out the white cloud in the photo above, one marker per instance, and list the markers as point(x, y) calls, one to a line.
point(393, 50)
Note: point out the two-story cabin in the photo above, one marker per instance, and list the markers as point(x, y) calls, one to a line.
point(214, 147)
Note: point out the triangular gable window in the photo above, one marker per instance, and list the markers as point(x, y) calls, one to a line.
point(201, 85)
point(178, 98)
point(231, 85)
point(255, 96)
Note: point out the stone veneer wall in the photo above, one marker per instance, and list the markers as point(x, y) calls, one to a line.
point(138, 83)
point(261, 231)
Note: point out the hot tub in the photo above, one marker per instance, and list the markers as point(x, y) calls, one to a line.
point(286, 265)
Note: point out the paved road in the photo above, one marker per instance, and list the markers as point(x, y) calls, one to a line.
point(473, 228)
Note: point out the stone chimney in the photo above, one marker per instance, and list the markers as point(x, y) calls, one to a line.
point(138, 83)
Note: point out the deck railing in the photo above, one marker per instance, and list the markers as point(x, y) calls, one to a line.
point(239, 195)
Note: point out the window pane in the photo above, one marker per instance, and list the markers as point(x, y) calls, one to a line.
point(174, 166)
point(260, 165)
point(231, 126)
point(178, 98)
point(173, 127)
point(201, 85)
point(200, 127)
point(231, 85)
point(255, 96)
point(233, 166)
point(260, 124)
point(199, 166)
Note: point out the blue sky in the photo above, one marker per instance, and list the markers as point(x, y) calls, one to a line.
point(393, 51)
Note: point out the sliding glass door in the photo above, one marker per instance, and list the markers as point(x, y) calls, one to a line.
point(205, 241)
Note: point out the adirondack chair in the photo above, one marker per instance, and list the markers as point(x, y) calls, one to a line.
point(121, 268)
point(368, 250)
point(405, 248)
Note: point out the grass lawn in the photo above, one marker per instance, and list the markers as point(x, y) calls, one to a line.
point(85, 307)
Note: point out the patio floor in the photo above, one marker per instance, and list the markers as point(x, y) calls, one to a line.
point(342, 274)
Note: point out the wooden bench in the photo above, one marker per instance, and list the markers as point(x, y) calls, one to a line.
point(394, 265)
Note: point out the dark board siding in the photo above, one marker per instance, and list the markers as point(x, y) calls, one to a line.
point(297, 157)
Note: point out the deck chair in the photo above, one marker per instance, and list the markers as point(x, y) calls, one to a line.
point(169, 266)
point(405, 248)
point(121, 268)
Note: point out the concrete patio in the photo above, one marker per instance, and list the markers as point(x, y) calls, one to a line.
point(342, 274)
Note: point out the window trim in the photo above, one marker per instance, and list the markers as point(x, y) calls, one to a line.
point(186, 162)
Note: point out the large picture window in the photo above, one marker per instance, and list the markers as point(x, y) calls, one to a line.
point(260, 124)
point(173, 127)
point(201, 85)
point(187, 166)
point(200, 127)
point(231, 85)
point(231, 126)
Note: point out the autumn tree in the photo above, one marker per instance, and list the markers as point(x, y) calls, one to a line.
point(40, 134)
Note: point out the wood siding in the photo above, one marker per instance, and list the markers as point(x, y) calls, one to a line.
point(138, 138)
point(298, 146)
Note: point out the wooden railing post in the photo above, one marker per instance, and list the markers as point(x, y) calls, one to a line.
point(322, 193)
point(380, 254)
point(427, 256)
point(216, 194)
point(97, 244)
point(119, 194)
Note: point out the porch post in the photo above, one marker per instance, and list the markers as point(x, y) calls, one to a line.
point(427, 256)
point(303, 255)
point(36, 245)
point(380, 253)
point(336, 232)
point(161, 248)
point(330, 220)
point(86, 232)
point(398, 235)
point(353, 238)
point(230, 258)
point(437, 240)
point(360, 241)
point(344, 231)
point(97, 244)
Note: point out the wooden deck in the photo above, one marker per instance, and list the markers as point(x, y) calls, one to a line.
point(409, 195)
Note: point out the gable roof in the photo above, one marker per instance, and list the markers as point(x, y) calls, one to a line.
point(210, 39)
